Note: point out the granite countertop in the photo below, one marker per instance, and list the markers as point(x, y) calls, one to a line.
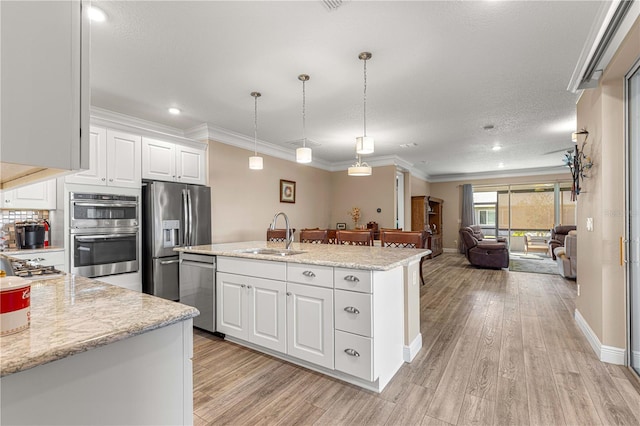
point(73, 314)
point(12, 251)
point(343, 256)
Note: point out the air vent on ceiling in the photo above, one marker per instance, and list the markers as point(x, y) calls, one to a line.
point(298, 143)
point(332, 4)
point(409, 145)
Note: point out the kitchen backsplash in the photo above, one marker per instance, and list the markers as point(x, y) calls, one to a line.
point(7, 220)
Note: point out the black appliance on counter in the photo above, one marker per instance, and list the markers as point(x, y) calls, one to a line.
point(29, 235)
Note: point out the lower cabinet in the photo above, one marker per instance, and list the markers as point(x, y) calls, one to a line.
point(310, 324)
point(317, 314)
point(252, 309)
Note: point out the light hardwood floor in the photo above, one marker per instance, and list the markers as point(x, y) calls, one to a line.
point(499, 348)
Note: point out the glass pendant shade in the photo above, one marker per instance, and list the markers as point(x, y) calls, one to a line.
point(364, 145)
point(303, 155)
point(359, 170)
point(255, 162)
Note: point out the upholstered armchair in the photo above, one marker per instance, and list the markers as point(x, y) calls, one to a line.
point(567, 256)
point(477, 232)
point(558, 234)
point(486, 253)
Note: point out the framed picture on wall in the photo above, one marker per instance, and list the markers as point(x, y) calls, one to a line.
point(287, 191)
point(340, 225)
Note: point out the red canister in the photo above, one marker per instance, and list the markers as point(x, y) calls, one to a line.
point(15, 305)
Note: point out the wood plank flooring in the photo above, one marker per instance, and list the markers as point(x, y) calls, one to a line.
point(499, 348)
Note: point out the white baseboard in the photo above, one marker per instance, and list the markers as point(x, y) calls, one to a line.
point(609, 354)
point(410, 352)
point(450, 250)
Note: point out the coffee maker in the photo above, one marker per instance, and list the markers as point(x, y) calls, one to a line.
point(29, 235)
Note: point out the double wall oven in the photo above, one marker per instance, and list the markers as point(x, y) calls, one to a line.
point(104, 234)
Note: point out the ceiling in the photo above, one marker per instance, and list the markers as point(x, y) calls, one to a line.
point(440, 73)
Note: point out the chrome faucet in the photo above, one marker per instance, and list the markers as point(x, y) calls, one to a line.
point(288, 233)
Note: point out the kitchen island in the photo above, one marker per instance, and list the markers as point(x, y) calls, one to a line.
point(98, 354)
point(351, 312)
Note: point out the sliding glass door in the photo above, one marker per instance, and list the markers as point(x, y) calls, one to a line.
point(633, 217)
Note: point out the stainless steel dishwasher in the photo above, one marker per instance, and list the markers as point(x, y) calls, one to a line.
point(198, 287)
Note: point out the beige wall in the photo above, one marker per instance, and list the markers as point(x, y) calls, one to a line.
point(244, 201)
point(601, 111)
point(451, 193)
point(419, 187)
point(368, 193)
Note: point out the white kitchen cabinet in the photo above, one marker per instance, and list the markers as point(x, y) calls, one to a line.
point(252, 309)
point(310, 324)
point(37, 196)
point(114, 160)
point(45, 89)
point(167, 161)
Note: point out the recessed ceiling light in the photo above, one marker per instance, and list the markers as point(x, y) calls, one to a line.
point(96, 14)
point(174, 111)
point(408, 145)
point(501, 165)
point(496, 148)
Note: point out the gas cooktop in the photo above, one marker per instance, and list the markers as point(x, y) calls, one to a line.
point(32, 269)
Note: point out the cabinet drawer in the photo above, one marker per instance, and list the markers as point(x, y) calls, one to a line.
point(354, 355)
point(353, 279)
point(321, 276)
point(253, 268)
point(353, 312)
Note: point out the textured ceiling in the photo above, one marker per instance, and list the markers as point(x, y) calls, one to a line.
point(440, 72)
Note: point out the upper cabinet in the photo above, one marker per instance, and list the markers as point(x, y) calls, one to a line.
point(45, 89)
point(172, 162)
point(114, 160)
point(37, 196)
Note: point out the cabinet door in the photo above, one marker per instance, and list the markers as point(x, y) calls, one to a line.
point(231, 305)
point(310, 324)
point(96, 174)
point(190, 165)
point(123, 159)
point(37, 196)
point(267, 314)
point(158, 160)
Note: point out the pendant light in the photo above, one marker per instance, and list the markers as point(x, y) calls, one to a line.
point(364, 143)
point(360, 168)
point(255, 162)
point(303, 154)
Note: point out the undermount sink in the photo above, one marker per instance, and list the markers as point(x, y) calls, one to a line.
point(272, 252)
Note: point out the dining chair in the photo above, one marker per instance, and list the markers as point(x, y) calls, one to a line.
point(278, 235)
point(355, 238)
point(316, 236)
point(405, 239)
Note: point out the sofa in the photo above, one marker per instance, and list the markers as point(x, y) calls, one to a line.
point(558, 234)
point(567, 256)
point(477, 232)
point(484, 253)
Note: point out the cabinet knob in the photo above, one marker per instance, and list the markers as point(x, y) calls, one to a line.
point(110, 180)
point(352, 278)
point(352, 310)
point(249, 287)
point(243, 286)
point(351, 352)
point(309, 274)
point(288, 293)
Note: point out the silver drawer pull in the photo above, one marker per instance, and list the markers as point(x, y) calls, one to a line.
point(352, 352)
point(352, 278)
point(309, 274)
point(352, 310)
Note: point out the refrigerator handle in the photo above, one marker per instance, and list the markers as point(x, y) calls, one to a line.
point(190, 217)
point(185, 215)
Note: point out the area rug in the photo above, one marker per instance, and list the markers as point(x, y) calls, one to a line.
point(536, 265)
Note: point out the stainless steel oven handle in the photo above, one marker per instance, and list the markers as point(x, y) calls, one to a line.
point(125, 204)
point(168, 262)
point(89, 238)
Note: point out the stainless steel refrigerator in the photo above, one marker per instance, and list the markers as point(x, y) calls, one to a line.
point(173, 215)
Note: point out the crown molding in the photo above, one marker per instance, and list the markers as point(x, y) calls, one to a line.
point(118, 121)
point(499, 174)
point(206, 132)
